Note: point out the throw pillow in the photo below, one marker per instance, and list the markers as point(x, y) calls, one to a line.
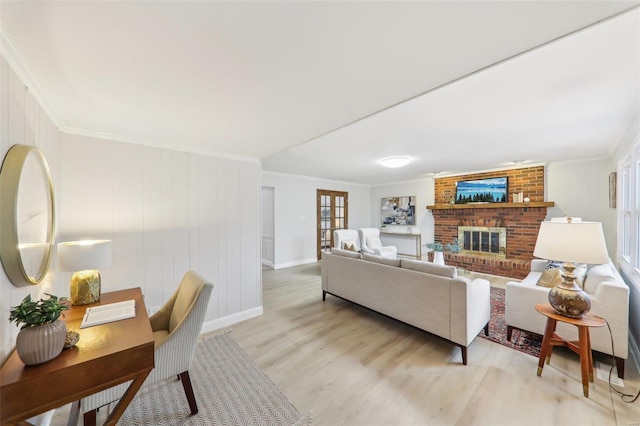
point(553, 264)
point(374, 242)
point(598, 274)
point(550, 278)
point(349, 245)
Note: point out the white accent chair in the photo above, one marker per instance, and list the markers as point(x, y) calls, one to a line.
point(370, 243)
point(349, 236)
point(176, 328)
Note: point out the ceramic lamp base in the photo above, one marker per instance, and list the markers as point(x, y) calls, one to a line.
point(567, 298)
point(85, 287)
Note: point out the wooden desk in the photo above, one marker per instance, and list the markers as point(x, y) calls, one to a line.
point(106, 355)
point(582, 347)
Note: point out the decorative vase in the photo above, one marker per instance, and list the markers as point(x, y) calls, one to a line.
point(42, 343)
point(438, 258)
point(567, 298)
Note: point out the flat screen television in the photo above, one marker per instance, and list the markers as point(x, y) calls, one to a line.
point(490, 190)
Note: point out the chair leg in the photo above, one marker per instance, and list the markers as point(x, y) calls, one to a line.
point(188, 391)
point(90, 418)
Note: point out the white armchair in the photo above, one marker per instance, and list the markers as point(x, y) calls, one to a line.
point(348, 236)
point(370, 243)
point(176, 328)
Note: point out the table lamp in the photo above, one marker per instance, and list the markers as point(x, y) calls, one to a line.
point(84, 258)
point(571, 242)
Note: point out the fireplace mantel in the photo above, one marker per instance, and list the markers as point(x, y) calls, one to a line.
point(491, 205)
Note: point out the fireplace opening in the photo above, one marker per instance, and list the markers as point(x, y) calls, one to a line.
point(483, 241)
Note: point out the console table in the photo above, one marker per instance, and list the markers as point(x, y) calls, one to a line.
point(416, 236)
point(106, 355)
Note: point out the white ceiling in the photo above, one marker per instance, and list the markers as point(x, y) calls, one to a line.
point(328, 89)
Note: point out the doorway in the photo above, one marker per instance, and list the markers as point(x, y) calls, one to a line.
point(332, 214)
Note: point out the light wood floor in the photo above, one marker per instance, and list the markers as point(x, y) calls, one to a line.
point(345, 365)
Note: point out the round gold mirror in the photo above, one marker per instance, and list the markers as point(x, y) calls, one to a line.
point(27, 215)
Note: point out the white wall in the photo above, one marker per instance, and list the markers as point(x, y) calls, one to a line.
point(581, 189)
point(295, 214)
point(166, 212)
point(423, 191)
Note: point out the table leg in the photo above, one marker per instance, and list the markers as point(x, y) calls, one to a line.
point(545, 350)
point(590, 355)
point(115, 415)
point(585, 356)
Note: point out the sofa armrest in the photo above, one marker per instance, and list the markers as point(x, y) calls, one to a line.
point(520, 301)
point(470, 308)
point(538, 265)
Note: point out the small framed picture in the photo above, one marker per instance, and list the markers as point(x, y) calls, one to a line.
point(612, 190)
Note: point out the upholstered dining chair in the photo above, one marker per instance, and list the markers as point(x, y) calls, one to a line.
point(370, 243)
point(176, 327)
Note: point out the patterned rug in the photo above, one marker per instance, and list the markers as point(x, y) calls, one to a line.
point(230, 390)
point(522, 341)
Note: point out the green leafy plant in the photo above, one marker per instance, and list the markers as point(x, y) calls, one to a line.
point(33, 313)
point(435, 246)
point(453, 247)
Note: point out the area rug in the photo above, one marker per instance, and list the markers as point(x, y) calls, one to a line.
point(230, 390)
point(522, 341)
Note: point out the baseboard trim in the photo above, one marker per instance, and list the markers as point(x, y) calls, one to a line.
point(295, 263)
point(229, 320)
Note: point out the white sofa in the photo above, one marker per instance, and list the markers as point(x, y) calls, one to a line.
point(609, 300)
point(427, 296)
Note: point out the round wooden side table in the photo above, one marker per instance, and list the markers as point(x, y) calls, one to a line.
point(582, 347)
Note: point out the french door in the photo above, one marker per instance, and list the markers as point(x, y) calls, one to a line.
point(332, 214)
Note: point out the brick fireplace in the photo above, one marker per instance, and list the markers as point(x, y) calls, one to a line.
point(521, 221)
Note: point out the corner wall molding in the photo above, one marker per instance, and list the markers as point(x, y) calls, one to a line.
point(10, 52)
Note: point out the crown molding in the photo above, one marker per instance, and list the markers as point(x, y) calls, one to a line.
point(10, 52)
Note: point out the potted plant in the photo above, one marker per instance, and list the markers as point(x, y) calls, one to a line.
point(438, 249)
point(42, 335)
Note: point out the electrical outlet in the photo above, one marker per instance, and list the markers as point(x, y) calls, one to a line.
point(153, 310)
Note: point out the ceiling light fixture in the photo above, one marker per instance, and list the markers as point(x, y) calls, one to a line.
point(395, 162)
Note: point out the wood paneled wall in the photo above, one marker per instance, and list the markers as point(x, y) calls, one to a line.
point(165, 211)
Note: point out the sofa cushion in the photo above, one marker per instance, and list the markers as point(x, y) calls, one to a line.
point(550, 278)
point(346, 253)
point(429, 268)
point(350, 245)
point(598, 274)
point(380, 259)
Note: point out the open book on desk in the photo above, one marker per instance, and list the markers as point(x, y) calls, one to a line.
point(111, 312)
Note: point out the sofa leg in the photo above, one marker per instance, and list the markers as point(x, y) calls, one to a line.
point(486, 329)
point(509, 331)
point(324, 295)
point(620, 367)
point(464, 354)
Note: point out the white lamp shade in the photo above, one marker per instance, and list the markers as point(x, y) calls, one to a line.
point(578, 242)
point(83, 255)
